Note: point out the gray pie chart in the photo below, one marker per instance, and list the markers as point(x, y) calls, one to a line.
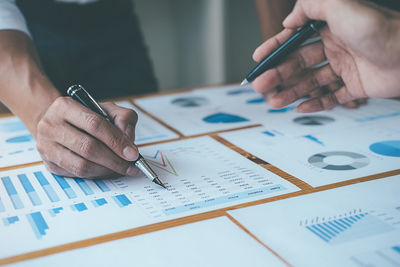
point(190, 102)
point(313, 120)
point(358, 161)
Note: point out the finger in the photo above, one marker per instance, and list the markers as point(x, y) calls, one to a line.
point(362, 101)
point(271, 45)
point(124, 118)
point(327, 101)
point(315, 80)
point(91, 149)
point(351, 105)
point(53, 168)
point(97, 126)
point(75, 165)
point(304, 10)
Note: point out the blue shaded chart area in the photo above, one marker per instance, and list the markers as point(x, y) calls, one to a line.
point(224, 118)
point(256, 100)
point(12, 126)
point(10, 220)
point(240, 91)
point(282, 110)
point(349, 228)
point(389, 148)
point(38, 224)
point(20, 139)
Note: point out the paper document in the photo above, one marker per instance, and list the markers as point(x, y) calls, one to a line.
point(288, 121)
point(147, 129)
point(325, 158)
point(196, 112)
point(40, 210)
point(17, 145)
point(214, 242)
point(356, 225)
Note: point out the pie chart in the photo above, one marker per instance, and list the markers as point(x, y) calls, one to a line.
point(390, 148)
point(338, 160)
point(313, 120)
point(190, 102)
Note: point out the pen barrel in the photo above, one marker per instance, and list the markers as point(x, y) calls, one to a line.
point(80, 94)
point(280, 54)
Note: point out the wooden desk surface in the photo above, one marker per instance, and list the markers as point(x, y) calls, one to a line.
point(305, 189)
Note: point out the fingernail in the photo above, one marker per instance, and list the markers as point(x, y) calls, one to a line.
point(132, 171)
point(130, 153)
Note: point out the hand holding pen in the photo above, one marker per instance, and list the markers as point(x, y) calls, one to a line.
point(75, 141)
point(359, 43)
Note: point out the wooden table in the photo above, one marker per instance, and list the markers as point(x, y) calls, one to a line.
point(305, 189)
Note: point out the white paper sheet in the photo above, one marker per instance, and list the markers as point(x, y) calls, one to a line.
point(325, 158)
point(197, 112)
point(356, 225)
point(39, 210)
point(17, 145)
point(214, 242)
point(147, 129)
point(230, 107)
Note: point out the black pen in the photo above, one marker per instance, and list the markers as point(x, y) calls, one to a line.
point(276, 57)
point(79, 93)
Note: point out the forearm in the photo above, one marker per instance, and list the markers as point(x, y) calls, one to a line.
point(24, 87)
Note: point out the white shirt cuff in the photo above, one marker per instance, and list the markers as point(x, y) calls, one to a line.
point(11, 18)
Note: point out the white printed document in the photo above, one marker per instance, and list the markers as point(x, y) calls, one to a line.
point(356, 225)
point(214, 242)
point(40, 210)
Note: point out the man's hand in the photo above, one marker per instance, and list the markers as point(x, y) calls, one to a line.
point(77, 142)
point(361, 43)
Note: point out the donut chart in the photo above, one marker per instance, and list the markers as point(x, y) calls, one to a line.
point(320, 160)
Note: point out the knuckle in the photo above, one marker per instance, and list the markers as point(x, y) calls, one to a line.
point(80, 168)
point(86, 146)
point(60, 102)
point(131, 114)
point(93, 122)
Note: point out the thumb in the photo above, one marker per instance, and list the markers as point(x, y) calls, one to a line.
point(306, 10)
point(123, 118)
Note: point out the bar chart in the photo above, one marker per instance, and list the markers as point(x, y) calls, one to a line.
point(39, 189)
point(46, 204)
point(349, 228)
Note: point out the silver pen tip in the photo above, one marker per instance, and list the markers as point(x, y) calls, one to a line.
point(245, 81)
point(158, 181)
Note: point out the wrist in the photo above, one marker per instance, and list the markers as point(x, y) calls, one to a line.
point(24, 88)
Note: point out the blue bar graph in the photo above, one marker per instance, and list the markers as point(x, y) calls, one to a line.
point(48, 189)
point(349, 228)
point(79, 207)
point(12, 193)
point(10, 220)
point(53, 212)
point(84, 186)
point(122, 200)
point(2, 208)
point(99, 202)
point(102, 185)
point(26, 184)
point(65, 186)
point(38, 224)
